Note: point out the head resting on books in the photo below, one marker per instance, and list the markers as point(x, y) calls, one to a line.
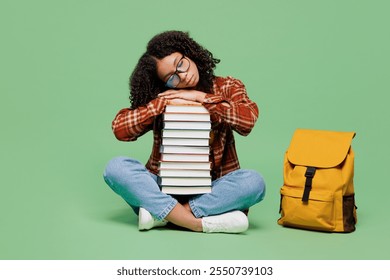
point(166, 52)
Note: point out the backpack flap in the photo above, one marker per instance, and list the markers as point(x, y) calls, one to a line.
point(319, 148)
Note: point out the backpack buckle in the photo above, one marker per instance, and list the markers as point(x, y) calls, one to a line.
point(310, 171)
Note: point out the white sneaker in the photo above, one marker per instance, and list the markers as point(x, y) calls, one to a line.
point(230, 222)
point(147, 221)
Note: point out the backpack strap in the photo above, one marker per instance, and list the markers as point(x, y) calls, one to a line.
point(310, 171)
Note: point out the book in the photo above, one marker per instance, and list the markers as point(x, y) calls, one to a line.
point(185, 165)
point(186, 117)
point(186, 133)
point(185, 190)
point(184, 173)
point(185, 109)
point(185, 157)
point(187, 125)
point(184, 181)
point(185, 141)
point(184, 150)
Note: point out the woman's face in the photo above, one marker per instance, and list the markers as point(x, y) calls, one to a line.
point(177, 71)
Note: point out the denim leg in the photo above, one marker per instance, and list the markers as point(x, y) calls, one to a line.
point(237, 190)
point(138, 187)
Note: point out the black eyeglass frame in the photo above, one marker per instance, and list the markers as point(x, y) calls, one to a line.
point(177, 72)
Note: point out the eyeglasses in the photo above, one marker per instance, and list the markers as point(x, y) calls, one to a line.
point(182, 66)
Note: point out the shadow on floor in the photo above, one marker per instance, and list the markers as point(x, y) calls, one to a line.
point(122, 216)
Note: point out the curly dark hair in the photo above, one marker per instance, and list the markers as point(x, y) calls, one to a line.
point(144, 82)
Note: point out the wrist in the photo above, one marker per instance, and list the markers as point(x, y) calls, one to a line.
point(200, 97)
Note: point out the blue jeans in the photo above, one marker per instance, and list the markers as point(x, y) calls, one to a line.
point(129, 178)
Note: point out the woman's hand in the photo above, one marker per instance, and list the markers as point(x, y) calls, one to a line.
point(183, 94)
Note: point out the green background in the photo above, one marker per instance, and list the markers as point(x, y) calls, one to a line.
point(64, 74)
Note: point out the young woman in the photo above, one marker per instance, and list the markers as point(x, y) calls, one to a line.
point(177, 70)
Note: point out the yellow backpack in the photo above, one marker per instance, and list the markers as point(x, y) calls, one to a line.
point(318, 192)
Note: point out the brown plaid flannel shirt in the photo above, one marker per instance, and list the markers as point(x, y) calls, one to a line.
point(230, 109)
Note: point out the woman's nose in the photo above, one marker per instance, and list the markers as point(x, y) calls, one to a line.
point(182, 76)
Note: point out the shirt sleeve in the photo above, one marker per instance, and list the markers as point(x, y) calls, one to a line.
point(233, 106)
point(129, 124)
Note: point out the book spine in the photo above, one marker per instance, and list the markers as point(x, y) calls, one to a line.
point(167, 149)
point(184, 173)
point(200, 142)
point(188, 133)
point(186, 117)
point(184, 165)
point(187, 124)
point(186, 109)
point(185, 182)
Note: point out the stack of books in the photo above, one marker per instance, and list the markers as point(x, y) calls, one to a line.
point(184, 167)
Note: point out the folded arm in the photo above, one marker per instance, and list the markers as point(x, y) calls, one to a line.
point(129, 124)
point(233, 106)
